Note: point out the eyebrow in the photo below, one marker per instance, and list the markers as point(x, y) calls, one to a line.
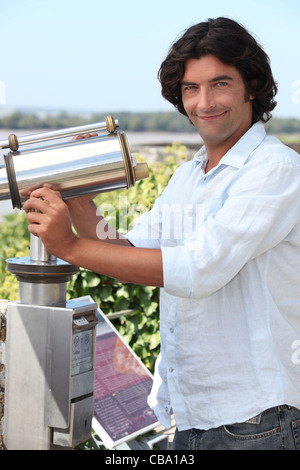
point(220, 78)
point(212, 80)
point(186, 83)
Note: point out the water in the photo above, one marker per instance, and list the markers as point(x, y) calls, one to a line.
point(138, 142)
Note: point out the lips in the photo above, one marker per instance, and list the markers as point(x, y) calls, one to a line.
point(210, 117)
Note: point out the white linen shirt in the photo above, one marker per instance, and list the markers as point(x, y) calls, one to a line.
point(230, 306)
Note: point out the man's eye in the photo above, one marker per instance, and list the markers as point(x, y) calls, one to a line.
point(189, 88)
point(221, 84)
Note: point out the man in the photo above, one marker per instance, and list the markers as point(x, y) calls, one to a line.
point(223, 242)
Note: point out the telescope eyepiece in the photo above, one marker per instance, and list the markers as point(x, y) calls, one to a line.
point(13, 142)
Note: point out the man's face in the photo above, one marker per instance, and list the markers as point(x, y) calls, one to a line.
point(215, 100)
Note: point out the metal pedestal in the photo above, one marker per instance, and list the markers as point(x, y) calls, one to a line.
point(50, 357)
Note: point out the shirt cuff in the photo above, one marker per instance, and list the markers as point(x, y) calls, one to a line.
point(142, 240)
point(177, 276)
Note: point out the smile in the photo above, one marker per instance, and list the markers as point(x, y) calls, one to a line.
point(211, 117)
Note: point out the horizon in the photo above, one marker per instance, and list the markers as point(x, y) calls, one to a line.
point(48, 112)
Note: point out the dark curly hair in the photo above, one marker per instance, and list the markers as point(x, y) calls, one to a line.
point(233, 45)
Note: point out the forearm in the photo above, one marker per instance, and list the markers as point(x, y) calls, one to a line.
point(52, 223)
point(125, 263)
point(90, 224)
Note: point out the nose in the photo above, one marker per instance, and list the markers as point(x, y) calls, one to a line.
point(205, 100)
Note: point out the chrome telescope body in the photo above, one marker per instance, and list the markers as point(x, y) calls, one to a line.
point(75, 168)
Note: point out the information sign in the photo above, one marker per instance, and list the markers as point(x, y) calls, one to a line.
point(122, 385)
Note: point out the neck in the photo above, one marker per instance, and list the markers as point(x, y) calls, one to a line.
point(216, 151)
point(212, 162)
point(214, 156)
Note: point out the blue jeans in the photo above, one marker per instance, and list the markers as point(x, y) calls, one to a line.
point(277, 428)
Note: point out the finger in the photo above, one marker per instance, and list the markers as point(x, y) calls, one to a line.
point(36, 205)
point(84, 136)
point(37, 230)
point(26, 192)
point(33, 228)
point(34, 218)
point(46, 193)
point(52, 186)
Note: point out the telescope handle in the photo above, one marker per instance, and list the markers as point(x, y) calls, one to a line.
point(13, 142)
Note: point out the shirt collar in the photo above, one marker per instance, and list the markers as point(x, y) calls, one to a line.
point(239, 153)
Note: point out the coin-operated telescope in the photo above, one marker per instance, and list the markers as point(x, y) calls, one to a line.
point(50, 341)
point(75, 168)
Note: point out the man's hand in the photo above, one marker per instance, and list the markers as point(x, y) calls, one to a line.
point(49, 219)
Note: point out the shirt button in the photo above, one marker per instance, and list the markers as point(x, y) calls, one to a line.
point(172, 330)
point(171, 369)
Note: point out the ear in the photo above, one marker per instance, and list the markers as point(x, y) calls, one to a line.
point(253, 88)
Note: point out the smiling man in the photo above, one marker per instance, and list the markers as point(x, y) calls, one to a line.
point(223, 243)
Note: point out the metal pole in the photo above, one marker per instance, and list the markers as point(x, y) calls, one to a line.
point(13, 142)
point(38, 252)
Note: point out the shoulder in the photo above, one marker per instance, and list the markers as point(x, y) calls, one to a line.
point(273, 151)
point(271, 168)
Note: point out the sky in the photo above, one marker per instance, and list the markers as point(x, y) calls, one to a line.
point(103, 56)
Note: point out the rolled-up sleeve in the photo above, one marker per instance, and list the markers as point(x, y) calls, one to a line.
point(260, 209)
point(147, 231)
